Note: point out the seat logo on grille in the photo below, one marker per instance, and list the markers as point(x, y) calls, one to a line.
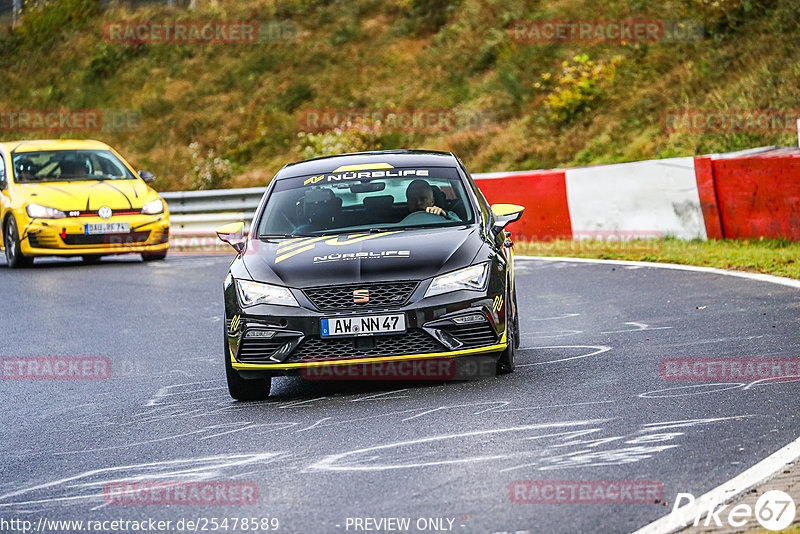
point(361, 296)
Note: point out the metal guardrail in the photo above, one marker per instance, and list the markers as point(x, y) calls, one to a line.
point(200, 212)
point(214, 200)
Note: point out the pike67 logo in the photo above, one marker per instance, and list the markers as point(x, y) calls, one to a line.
point(775, 510)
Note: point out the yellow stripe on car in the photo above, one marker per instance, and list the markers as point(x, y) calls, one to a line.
point(483, 350)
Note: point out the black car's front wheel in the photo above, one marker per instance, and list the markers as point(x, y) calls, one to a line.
point(11, 241)
point(244, 389)
point(506, 363)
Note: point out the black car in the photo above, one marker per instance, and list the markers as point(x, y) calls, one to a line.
point(376, 258)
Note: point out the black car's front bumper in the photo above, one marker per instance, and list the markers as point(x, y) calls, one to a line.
point(285, 340)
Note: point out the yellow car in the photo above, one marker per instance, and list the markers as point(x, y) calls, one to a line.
point(77, 198)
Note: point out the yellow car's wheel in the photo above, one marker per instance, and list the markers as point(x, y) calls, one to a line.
point(14, 256)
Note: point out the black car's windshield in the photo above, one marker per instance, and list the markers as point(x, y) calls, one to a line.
point(354, 200)
point(68, 165)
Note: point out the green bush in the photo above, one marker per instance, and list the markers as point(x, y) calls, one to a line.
point(579, 84)
point(43, 21)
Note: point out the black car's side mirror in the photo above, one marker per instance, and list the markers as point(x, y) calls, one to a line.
point(148, 177)
point(505, 214)
point(3, 181)
point(232, 234)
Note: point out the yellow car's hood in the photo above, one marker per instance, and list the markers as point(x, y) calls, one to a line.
point(89, 195)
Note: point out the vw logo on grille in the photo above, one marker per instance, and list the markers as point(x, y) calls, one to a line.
point(361, 296)
point(104, 212)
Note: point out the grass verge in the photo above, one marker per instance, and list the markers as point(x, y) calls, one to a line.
point(768, 256)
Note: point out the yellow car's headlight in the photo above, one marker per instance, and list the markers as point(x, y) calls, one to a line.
point(154, 207)
point(37, 211)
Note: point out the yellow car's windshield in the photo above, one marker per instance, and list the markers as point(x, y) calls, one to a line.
point(68, 165)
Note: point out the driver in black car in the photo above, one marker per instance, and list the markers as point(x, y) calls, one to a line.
point(419, 197)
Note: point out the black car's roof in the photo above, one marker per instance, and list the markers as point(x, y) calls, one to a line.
point(395, 158)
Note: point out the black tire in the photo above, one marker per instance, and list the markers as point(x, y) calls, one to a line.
point(244, 389)
point(507, 362)
point(154, 256)
point(517, 335)
point(14, 257)
point(91, 259)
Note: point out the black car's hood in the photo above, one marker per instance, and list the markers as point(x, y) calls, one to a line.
point(362, 257)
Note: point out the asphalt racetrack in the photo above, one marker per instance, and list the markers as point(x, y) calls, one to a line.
point(588, 402)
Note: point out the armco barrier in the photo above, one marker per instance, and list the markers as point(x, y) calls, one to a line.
point(544, 195)
point(757, 195)
point(200, 212)
point(746, 194)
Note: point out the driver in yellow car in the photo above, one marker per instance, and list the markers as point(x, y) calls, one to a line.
point(419, 197)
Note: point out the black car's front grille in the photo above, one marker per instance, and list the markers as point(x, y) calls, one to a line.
point(259, 350)
point(385, 294)
point(473, 335)
point(415, 341)
point(132, 238)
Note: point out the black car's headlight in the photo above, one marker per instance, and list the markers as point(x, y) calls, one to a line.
point(252, 293)
point(36, 211)
point(473, 277)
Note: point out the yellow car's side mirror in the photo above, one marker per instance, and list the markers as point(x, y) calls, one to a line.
point(505, 214)
point(232, 234)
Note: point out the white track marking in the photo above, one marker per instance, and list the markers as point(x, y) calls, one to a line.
point(382, 395)
point(712, 387)
point(329, 463)
point(708, 270)
point(655, 427)
point(165, 391)
point(726, 492)
point(432, 410)
point(556, 333)
point(565, 316)
point(599, 350)
point(195, 469)
point(639, 327)
point(314, 424)
point(496, 410)
point(774, 379)
point(301, 403)
point(707, 341)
